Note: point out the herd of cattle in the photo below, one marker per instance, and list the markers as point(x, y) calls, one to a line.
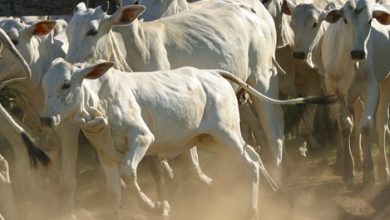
point(203, 69)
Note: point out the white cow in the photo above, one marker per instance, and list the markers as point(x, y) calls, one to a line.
point(352, 53)
point(14, 134)
point(38, 52)
point(204, 38)
point(309, 30)
point(123, 112)
point(301, 79)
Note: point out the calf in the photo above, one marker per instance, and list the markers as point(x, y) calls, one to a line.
point(130, 112)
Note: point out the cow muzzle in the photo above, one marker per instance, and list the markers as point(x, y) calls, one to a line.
point(47, 121)
point(297, 55)
point(50, 121)
point(358, 55)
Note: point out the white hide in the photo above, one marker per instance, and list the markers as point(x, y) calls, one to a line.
point(356, 30)
point(198, 106)
point(204, 38)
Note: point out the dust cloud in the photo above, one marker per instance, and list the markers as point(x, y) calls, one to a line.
point(311, 191)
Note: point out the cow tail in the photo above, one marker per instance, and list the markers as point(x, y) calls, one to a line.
point(307, 100)
point(37, 156)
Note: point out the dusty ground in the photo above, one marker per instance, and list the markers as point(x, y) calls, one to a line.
point(311, 192)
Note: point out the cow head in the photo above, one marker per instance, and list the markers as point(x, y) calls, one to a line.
point(306, 23)
point(21, 35)
point(357, 17)
point(89, 27)
point(8, 49)
point(62, 85)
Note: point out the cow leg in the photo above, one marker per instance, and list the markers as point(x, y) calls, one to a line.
point(305, 129)
point(382, 118)
point(138, 146)
point(369, 96)
point(192, 156)
point(271, 118)
point(7, 200)
point(157, 169)
point(111, 171)
point(98, 132)
point(344, 126)
point(68, 135)
point(250, 121)
point(250, 160)
point(355, 137)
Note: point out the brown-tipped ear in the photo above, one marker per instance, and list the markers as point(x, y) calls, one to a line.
point(42, 28)
point(288, 7)
point(334, 15)
point(382, 16)
point(98, 70)
point(127, 14)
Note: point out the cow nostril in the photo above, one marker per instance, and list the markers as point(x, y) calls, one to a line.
point(358, 54)
point(299, 55)
point(46, 121)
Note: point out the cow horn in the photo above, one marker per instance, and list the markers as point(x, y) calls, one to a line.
point(106, 6)
point(4, 39)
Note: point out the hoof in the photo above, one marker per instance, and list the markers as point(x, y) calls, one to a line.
point(163, 209)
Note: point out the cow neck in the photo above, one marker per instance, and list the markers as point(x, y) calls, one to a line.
point(138, 44)
point(339, 65)
point(316, 55)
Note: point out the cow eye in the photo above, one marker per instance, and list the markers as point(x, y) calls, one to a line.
point(345, 21)
point(315, 24)
point(369, 22)
point(15, 42)
point(92, 32)
point(65, 86)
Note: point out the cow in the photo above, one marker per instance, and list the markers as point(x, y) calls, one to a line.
point(301, 79)
point(14, 134)
point(309, 30)
point(128, 113)
point(38, 51)
point(352, 55)
point(176, 41)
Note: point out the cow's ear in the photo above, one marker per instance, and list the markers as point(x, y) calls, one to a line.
point(288, 7)
point(382, 16)
point(42, 28)
point(126, 15)
point(97, 70)
point(334, 15)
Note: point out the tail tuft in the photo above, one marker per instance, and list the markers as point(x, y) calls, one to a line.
point(37, 156)
point(322, 100)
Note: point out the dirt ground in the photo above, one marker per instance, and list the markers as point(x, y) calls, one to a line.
point(311, 192)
